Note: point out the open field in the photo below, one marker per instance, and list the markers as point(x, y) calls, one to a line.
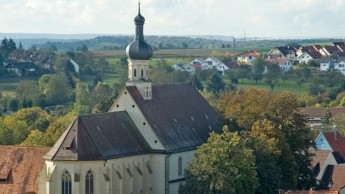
point(8, 86)
point(289, 85)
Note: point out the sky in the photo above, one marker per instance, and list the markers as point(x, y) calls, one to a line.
point(255, 18)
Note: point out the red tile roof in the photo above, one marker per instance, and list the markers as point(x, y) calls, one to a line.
point(335, 175)
point(336, 141)
point(249, 53)
point(320, 111)
point(319, 156)
point(19, 168)
point(231, 65)
point(332, 191)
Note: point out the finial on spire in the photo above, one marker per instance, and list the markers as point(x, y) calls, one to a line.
point(139, 5)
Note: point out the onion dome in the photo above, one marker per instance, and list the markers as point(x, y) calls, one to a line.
point(139, 49)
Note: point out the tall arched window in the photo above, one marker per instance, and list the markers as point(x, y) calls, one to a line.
point(89, 182)
point(179, 166)
point(142, 73)
point(66, 183)
point(135, 73)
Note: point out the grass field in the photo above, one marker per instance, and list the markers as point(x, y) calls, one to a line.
point(289, 85)
point(8, 86)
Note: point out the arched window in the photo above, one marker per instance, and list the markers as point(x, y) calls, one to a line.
point(66, 183)
point(142, 73)
point(179, 166)
point(89, 182)
point(135, 73)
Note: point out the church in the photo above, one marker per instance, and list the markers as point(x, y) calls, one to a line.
point(141, 145)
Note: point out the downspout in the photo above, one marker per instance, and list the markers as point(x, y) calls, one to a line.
point(167, 169)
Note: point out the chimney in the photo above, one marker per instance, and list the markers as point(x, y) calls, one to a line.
point(334, 132)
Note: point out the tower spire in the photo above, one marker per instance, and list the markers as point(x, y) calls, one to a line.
point(139, 6)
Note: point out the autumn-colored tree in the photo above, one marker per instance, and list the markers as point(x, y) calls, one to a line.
point(58, 126)
point(36, 138)
point(247, 107)
point(35, 118)
point(223, 165)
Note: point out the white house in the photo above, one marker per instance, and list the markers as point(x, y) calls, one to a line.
point(306, 56)
point(247, 58)
point(213, 62)
point(199, 64)
point(142, 145)
point(75, 65)
point(340, 66)
point(284, 64)
point(222, 67)
point(325, 65)
point(184, 67)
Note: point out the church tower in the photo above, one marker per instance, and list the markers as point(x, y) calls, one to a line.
point(139, 53)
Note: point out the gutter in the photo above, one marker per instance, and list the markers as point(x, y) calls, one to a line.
point(166, 168)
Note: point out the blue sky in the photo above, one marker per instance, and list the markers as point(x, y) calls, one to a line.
point(258, 18)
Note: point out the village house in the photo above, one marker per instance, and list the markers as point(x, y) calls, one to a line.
point(329, 159)
point(199, 64)
point(21, 68)
point(316, 115)
point(284, 64)
point(184, 68)
point(144, 142)
point(247, 58)
point(284, 52)
point(306, 56)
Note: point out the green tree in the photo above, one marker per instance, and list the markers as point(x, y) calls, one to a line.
point(306, 73)
point(223, 165)
point(20, 46)
point(57, 89)
point(243, 72)
point(216, 84)
point(196, 83)
point(58, 126)
point(258, 69)
point(12, 131)
point(36, 138)
point(34, 118)
point(273, 72)
point(266, 151)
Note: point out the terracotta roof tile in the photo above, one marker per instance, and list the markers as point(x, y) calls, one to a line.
point(320, 111)
point(335, 175)
point(249, 53)
point(19, 168)
point(319, 156)
point(336, 141)
point(332, 191)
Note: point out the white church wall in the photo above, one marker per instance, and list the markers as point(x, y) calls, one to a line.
point(135, 174)
point(176, 175)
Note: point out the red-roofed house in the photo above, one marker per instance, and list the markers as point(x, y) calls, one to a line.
point(331, 140)
point(247, 58)
point(306, 56)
